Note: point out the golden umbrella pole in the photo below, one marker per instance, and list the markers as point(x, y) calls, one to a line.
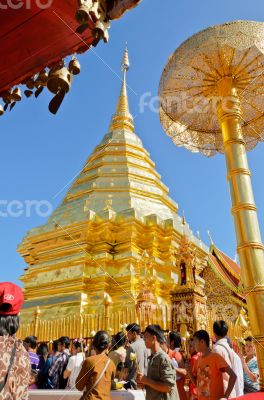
point(250, 248)
point(223, 66)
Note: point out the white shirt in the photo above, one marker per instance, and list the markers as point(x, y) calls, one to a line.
point(74, 365)
point(238, 369)
point(222, 347)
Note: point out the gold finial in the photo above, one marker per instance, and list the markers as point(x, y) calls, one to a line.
point(122, 119)
point(125, 62)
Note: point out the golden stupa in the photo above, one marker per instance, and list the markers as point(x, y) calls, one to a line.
point(116, 251)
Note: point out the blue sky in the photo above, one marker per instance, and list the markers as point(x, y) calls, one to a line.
point(41, 153)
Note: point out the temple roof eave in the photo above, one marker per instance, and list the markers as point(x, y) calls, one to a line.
point(231, 266)
point(224, 277)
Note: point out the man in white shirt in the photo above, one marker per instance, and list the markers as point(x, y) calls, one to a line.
point(222, 347)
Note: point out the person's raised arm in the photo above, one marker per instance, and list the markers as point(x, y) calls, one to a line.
point(66, 374)
point(252, 376)
point(189, 371)
point(231, 381)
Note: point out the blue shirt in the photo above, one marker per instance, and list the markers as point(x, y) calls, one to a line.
point(34, 359)
point(249, 385)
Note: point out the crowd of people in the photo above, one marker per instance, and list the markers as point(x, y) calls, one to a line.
point(155, 361)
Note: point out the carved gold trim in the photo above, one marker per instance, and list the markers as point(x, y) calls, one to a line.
point(242, 207)
point(225, 282)
point(233, 141)
point(238, 171)
point(254, 245)
point(118, 189)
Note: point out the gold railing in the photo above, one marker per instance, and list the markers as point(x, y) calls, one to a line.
point(79, 326)
point(82, 326)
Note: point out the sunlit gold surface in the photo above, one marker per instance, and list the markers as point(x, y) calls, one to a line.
point(189, 85)
point(91, 247)
point(250, 248)
point(224, 65)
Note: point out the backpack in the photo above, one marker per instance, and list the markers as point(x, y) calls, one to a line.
point(62, 381)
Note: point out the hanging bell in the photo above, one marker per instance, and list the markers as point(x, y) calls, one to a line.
point(59, 83)
point(6, 96)
point(100, 32)
point(94, 11)
point(16, 94)
point(42, 79)
point(30, 83)
point(59, 78)
point(1, 110)
point(74, 66)
point(83, 12)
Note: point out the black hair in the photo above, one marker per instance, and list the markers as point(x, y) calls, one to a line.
point(175, 337)
point(133, 328)
point(249, 339)
point(120, 339)
point(119, 367)
point(32, 341)
point(76, 344)
point(9, 325)
point(55, 346)
point(164, 341)
point(65, 341)
point(220, 328)
point(156, 330)
point(101, 341)
point(202, 335)
point(5, 307)
point(42, 349)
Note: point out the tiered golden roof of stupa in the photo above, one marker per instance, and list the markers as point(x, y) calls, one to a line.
point(120, 177)
point(93, 242)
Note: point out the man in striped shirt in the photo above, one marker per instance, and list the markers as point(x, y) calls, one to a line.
point(59, 366)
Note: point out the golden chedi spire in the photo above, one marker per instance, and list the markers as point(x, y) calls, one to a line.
point(122, 119)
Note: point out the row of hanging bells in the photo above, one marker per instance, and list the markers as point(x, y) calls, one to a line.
point(90, 14)
point(10, 98)
point(58, 81)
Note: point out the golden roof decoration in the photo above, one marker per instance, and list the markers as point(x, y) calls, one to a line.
point(122, 119)
point(189, 91)
point(118, 181)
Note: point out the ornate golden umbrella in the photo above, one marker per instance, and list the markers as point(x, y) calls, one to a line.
point(211, 100)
